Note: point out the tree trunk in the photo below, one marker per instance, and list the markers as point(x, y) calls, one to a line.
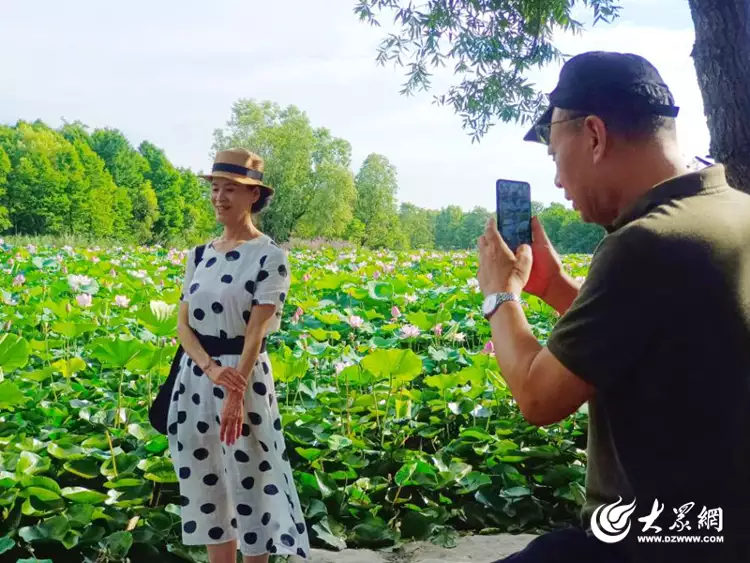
point(722, 62)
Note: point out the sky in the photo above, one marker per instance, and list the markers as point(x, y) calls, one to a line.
point(168, 71)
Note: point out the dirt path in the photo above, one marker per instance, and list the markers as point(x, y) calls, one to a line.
point(472, 549)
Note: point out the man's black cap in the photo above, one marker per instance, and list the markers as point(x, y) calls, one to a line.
point(603, 82)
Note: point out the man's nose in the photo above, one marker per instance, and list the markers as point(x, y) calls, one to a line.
point(557, 180)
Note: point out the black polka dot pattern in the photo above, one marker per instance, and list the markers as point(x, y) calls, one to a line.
point(271, 490)
point(256, 468)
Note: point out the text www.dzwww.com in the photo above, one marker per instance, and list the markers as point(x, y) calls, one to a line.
point(681, 539)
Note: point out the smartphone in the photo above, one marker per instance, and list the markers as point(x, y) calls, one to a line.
point(513, 199)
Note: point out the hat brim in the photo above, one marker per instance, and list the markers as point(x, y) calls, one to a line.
point(236, 178)
point(545, 119)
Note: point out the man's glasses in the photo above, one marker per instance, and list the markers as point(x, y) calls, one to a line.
point(543, 130)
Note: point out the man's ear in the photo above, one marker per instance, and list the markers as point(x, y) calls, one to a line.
point(596, 134)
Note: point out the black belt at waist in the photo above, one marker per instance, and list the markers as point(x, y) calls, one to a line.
point(216, 346)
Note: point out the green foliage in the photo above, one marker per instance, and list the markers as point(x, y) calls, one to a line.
point(68, 182)
point(97, 187)
point(492, 44)
point(397, 425)
point(568, 233)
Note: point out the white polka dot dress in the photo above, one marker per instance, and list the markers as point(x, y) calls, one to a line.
point(244, 491)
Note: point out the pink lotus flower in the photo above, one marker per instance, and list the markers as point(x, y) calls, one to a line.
point(395, 312)
point(376, 275)
point(489, 348)
point(122, 301)
point(306, 277)
point(410, 331)
point(355, 321)
point(19, 280)
point(438, 329)
point(297, 314)
point(84, 300)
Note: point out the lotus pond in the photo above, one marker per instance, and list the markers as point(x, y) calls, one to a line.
point(397, 421)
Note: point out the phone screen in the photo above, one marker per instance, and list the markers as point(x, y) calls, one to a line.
point(514, 212)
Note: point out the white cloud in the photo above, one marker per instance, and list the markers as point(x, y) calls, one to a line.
point(169, 71)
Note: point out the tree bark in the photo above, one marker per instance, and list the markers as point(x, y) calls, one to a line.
point(721, 54)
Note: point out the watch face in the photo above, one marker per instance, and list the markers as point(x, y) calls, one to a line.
point(489, 304)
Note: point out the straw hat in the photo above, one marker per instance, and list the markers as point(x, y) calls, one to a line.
point(238, 165)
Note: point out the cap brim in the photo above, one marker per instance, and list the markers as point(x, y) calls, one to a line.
point(544, 119)
point(235, 178)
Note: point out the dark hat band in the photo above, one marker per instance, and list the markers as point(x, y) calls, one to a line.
point(236, 169)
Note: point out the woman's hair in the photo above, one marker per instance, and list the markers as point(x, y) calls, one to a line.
point(263, 201)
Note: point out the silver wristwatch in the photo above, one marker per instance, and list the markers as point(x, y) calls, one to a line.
point(494, 300)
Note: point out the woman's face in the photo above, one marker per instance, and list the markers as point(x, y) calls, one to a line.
point(232, 201)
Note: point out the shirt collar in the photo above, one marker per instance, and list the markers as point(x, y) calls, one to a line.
point(710, 179)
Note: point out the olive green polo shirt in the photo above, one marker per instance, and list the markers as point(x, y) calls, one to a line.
point(661, 329)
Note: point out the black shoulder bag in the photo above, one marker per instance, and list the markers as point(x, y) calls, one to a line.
point(159, 410)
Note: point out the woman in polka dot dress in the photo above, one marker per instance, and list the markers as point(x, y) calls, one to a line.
point(224, 427)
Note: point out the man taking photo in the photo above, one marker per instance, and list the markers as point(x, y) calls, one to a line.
point(657, 338)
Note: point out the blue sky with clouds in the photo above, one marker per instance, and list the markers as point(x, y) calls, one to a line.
point(168, 71)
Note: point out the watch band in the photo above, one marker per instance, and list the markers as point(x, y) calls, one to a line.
point(498, 298)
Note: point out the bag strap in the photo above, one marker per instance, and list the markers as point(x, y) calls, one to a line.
point(199, 253)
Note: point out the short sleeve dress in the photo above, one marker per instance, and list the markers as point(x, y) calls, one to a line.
point(244, 491)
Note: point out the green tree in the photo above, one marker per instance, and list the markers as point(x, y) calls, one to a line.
point(493, 43)
point(376, 207)
point(307, 167)
point(199, 217)
point(38, 182)
point(448, 226)
point(128, 169)
point(472, 227)
point(105, 208)
point(418, 225)
point(167, 184)
point(4, 170)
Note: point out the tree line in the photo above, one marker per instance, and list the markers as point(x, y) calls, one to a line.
point(69, 181)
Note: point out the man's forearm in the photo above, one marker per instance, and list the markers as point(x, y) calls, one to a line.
point(515, 347)
point(561, 293)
